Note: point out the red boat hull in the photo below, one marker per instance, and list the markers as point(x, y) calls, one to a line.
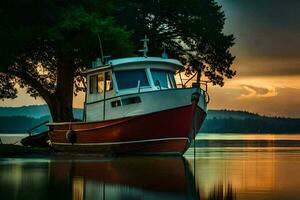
point(169, 132)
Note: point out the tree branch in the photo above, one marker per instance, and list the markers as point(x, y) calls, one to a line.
point(45, 94)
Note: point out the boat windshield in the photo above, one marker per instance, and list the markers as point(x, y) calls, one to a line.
point(130, 78)
point(163, 79)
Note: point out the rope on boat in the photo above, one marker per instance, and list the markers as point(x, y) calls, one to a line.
point(195, 99)
point(70, 134)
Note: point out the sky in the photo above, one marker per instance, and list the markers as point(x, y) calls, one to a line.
point(267, 50)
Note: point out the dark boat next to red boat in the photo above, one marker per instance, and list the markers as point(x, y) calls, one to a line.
point(133, 105)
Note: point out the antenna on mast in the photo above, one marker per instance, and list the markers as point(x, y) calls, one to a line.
point(101, 50)
point(164, 53)
point(99, 61)
point(145, 50)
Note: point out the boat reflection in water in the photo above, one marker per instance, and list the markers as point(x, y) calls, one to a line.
point(126, 178)
point(118, 178)
point(221, 173)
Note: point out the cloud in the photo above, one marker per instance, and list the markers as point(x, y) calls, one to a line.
point(258, 92)
point(284, 103)
point(268, 66)
point(264, 27)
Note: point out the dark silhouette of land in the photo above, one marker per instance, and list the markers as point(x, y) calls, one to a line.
point(225, 121)
point(20, 119)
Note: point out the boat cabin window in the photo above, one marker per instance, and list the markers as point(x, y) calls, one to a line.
point(108, 82)
point(130, 78)
point(100, 87)
point(93, 84)
point(163, 78)
point(97, 83)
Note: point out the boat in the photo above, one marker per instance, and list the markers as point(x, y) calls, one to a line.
point(134, 105)
point(38, 139)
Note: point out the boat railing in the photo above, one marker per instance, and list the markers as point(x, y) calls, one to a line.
point(31, 131)
point(203, 86)
point(205, 90)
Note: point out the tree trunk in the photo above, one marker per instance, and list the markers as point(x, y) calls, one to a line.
point(60, 102)
point(61, 106)
point(61, 110)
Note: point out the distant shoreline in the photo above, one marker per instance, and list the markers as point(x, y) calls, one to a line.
point(20, 119)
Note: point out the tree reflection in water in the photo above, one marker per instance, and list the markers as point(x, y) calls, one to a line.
point(222, 192)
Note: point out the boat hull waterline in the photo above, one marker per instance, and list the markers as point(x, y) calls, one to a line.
point(164, 132)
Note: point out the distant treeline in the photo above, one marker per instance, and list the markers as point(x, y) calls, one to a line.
point(19, 124)
point(36, 111)
point(251, 125)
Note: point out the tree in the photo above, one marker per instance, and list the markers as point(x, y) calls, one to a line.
point(45, 45)
point(191, 30)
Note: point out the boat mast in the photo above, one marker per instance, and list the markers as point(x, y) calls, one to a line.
point(101, 49)
point(145, 50)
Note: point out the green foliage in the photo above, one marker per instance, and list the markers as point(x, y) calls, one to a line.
point(191, 30)
point(7, 85)
point(78, 28)
point(54, 32)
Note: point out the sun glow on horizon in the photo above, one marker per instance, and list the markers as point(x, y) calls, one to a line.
point(266, 95)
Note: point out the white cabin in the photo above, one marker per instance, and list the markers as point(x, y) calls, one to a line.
point(134, 86)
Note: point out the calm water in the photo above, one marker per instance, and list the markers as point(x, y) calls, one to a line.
point(12, 138)
point(216, 173)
